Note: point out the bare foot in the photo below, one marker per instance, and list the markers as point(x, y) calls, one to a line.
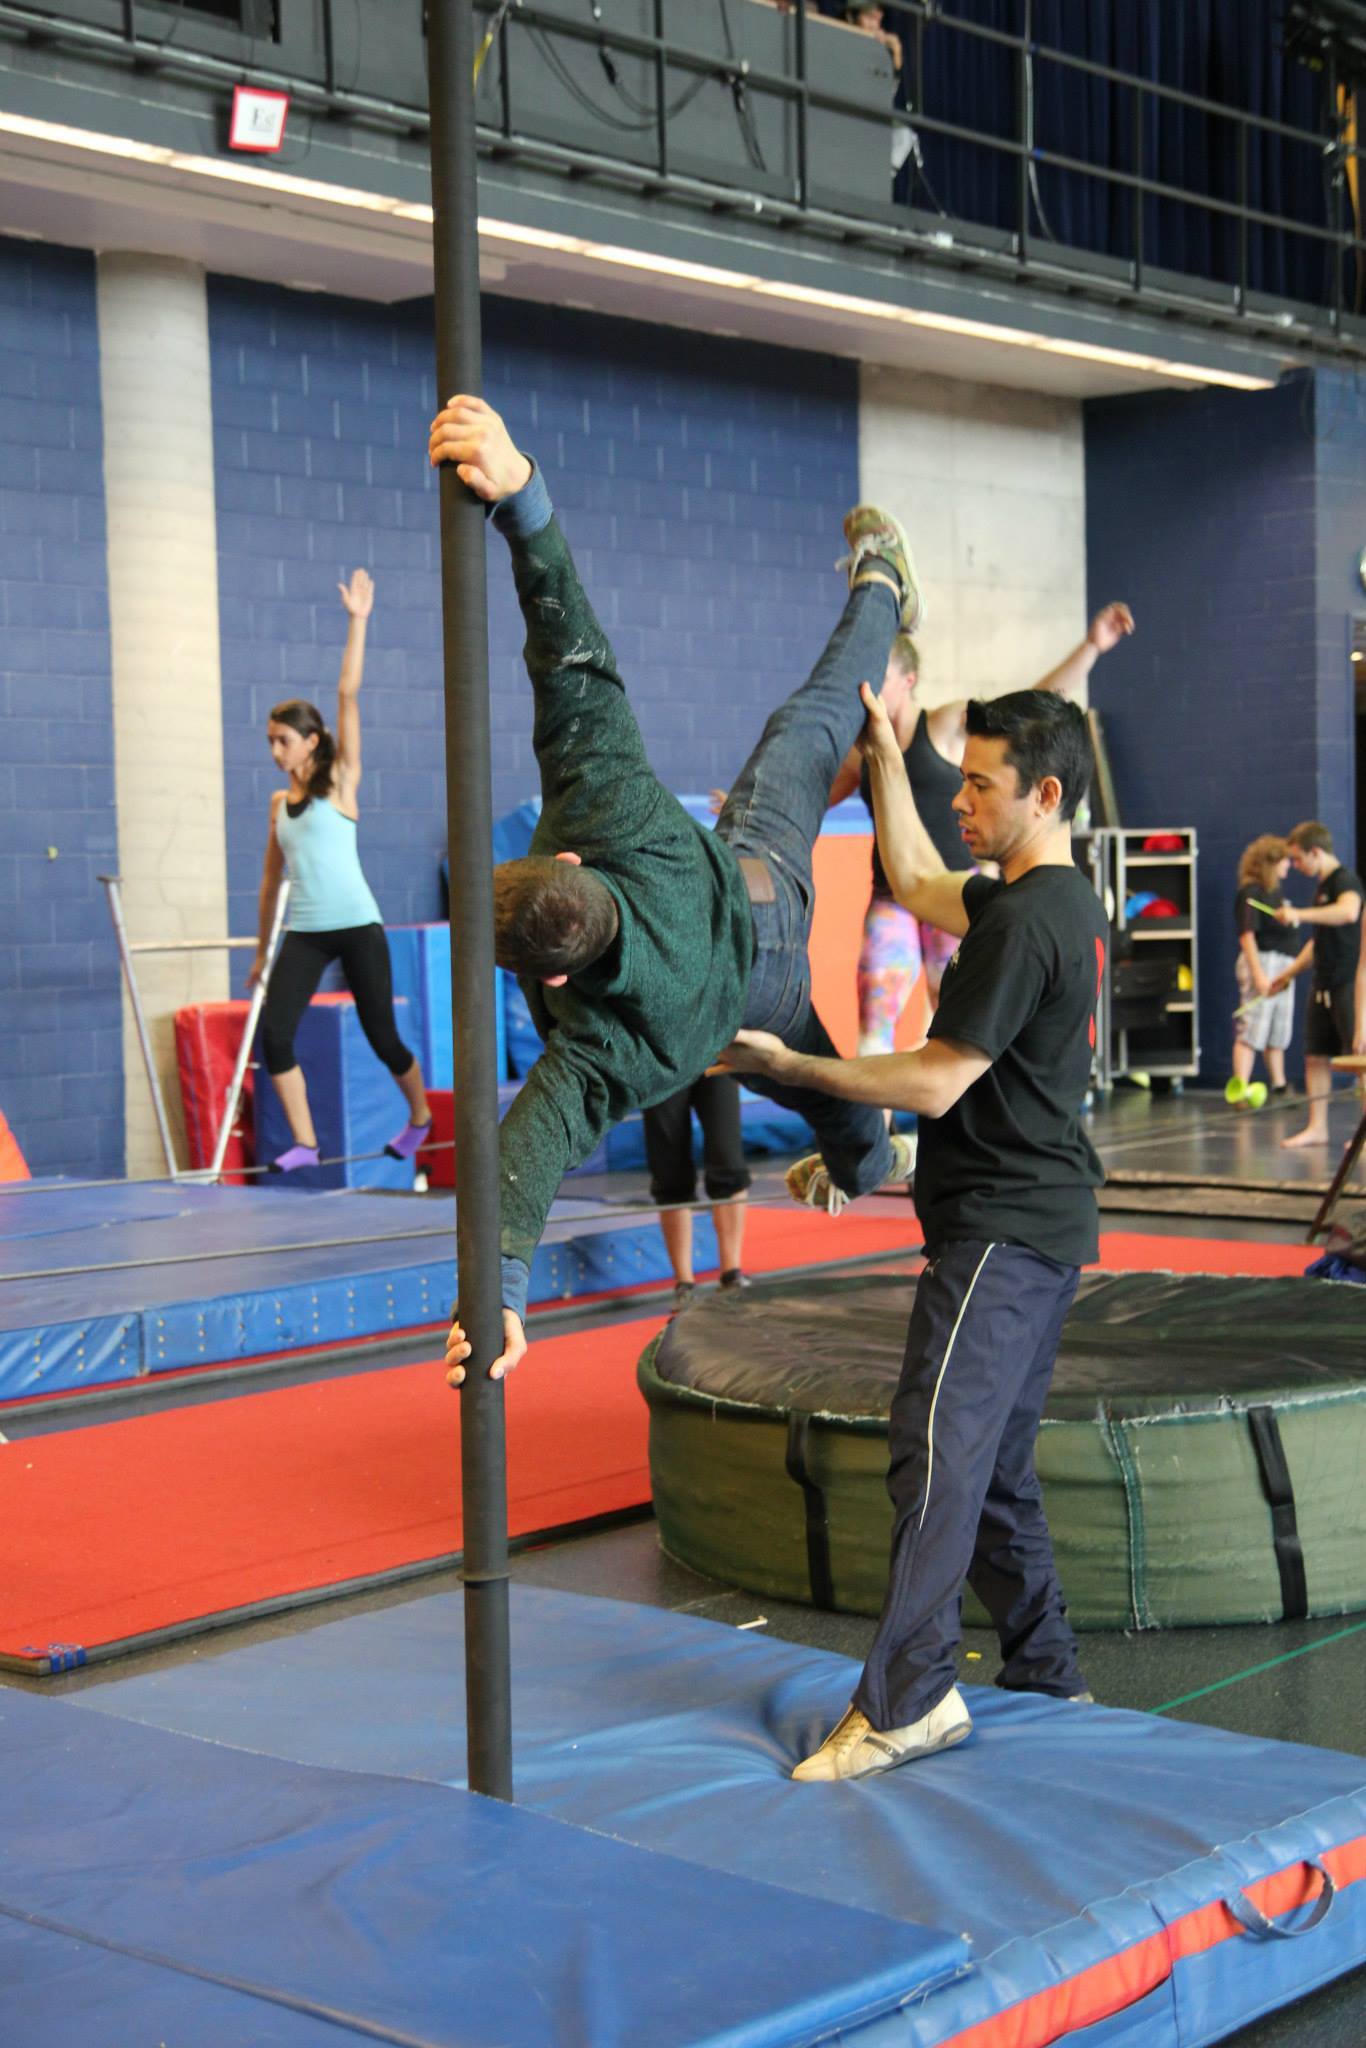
point(1309, 1136)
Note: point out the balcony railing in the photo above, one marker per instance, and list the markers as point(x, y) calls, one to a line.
point(744, 107)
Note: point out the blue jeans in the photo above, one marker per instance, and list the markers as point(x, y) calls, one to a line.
point(774, 813)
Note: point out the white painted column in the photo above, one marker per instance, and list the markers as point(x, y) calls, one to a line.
point(991, 487)
point(163, 604)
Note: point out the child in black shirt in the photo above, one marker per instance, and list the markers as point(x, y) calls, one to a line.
point(1264, 1022)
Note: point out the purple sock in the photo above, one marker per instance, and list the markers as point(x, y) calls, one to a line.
point(297, 1155)
point(409, 1141)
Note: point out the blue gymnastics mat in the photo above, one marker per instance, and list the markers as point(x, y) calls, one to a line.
point(101, 1285)
point(156, 1889)
point(1085, 1855)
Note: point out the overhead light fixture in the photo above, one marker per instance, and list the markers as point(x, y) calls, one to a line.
point(613, 256)
point(257, 123)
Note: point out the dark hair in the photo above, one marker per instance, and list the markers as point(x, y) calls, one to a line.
point(1045, 734)
point(307, 721)
point(1310, 837)
point(550, 917)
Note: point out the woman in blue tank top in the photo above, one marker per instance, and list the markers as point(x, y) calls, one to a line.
point(332, 913)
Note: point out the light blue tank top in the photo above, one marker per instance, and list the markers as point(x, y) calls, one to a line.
point(328, 892)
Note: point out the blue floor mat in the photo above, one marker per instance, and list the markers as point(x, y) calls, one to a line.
point(155, 1889)
point(1065, 1841)
point(101, 1285)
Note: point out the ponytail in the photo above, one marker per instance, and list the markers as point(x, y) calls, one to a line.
point(320, 777)
point(307, 721)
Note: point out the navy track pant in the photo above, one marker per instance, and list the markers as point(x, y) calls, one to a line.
point(979, 1356)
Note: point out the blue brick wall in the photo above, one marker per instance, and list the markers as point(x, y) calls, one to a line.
point(1231, 523)
point(61, 1083)
point(701, 483)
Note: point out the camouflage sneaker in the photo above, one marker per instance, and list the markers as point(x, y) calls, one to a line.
point(809, 1181)
point(873, 533)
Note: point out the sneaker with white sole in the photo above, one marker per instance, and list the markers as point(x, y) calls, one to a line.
point(855, 1749)
point(877, 536)
point(809, 1181)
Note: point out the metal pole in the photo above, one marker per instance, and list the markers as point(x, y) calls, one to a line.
point(111, 887)
point(258, 997)
point(469, 802)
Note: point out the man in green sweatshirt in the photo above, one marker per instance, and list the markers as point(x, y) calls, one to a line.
point(643, 941)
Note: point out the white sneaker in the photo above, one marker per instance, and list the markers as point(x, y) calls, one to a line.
point(808, 1180)
point(855, 1749)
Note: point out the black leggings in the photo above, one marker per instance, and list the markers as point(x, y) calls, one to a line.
point(668, 1142)
point(363, 952)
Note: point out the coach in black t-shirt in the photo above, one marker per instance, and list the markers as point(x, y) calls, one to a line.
point(1333, 949)
point(1005, 1191)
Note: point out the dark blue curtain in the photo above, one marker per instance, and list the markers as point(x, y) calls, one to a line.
point(1227, 51)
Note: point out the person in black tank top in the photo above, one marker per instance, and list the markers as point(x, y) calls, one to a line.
point(896, 946)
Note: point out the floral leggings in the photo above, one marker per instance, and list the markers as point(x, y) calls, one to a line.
point(895, 947)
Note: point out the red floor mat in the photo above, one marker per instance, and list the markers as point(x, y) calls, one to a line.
point(124, 1528)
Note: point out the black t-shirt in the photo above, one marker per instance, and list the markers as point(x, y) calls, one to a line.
point(1336, 946)
point(1270, 936)
point(1010, 1162)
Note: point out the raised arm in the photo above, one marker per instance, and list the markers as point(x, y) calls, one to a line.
point(272, 875)
point(358, 597)
point(1113, 623)
point(1345, 909)
point(597, 785)
point(917, 876)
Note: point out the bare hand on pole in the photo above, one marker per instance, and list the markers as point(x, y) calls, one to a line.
point(471, 434)
point(458, 1350)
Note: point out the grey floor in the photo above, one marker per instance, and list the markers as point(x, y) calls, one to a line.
point(1296, 1682)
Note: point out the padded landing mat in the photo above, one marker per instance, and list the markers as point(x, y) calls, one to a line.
point(1085, 1853)
point(102, 1285)
point(165, 1523)
point(161, 1890)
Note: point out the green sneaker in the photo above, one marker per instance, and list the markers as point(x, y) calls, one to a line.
point(872, 532)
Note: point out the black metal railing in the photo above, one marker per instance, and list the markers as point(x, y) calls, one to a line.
point(295, 43)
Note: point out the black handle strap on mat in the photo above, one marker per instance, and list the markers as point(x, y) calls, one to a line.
point(1280, 1496)
point(817, 1520)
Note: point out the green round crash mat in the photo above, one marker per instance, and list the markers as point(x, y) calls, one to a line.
point(1201, 1452)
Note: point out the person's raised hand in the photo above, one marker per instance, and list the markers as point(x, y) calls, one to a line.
point(469, 433)
point(878, 737)
point(1113, 623)
point(458, 1349)
point(358, 595)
